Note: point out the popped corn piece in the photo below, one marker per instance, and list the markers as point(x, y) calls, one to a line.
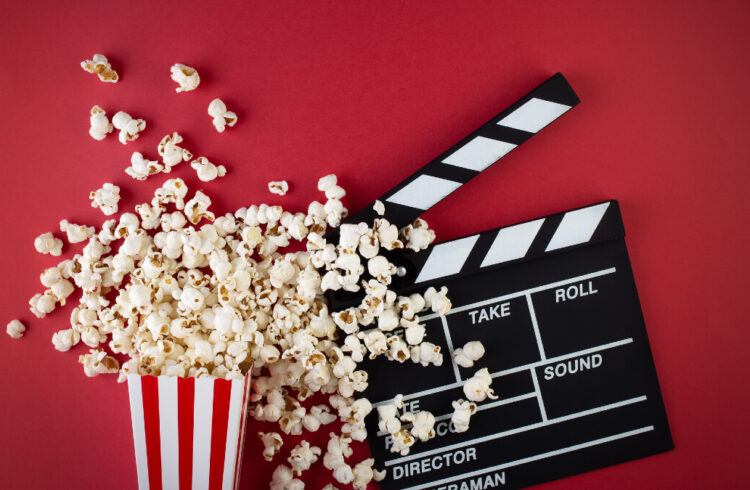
point(63, 340)
point(185, 76)
point(418, 235)
point(106, 199)
point(343, 473)
point(172, 191)
point(221, 116)
point(388, 416)
point(379, 207)
point(197, 208)
point(272, 443)
point(76, 233)
point(328, 185)
point(414, 334)
point(477, 388)
point(129, 128)
point(462, 412)
point(283, 479)
point(46, 243)
point(42, 304)
point(303, 456)
point(423, 424)
point(101, 66)
point(364, 473)
point(438, 300)
point(98, 362)
point(330, 486)
point(279, 187)
point(100, 125)
point(206, 170)
point(402, 442)
point(381, 269)
point(468, 354)
point(426, 353)
point(337, 450)
point(171, 153)
point(15, 329)
point(141, 168)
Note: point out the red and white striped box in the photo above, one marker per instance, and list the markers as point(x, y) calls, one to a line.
point(188, 432)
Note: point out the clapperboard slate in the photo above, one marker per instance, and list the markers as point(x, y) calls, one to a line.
point(554, 302)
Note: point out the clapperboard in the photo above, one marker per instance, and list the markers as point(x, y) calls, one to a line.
point(554, 302)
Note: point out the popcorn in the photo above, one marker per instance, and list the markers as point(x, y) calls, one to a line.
point(223, 299)
point(272, 443)
point(172, 154)
point(402, 442)
point(63, 340)
point(106, 199)
point(46, 243)
point(338, 449)
point(303, 456)
point(418, 235)
point(279, 187)
point(379, 208)
point(221, 117)
point(206, 170)
point(343, 473)
point(76, 233)
point(42, 304)
point(414, 334)
point(101, 67)
point(468, 354)
point(423, 424)
point(426, 353)
point(462, 412)
point(186, 77)
point(141, 168)
point(100, 125)
point(364, 473)
point(172, 191)
point(381, 269)
point(438, 300)
point(98, 362)
point(129, 127)
point(477, 388)
point(388, 419)
point(15, 329)
point(283, 479)
point(197, 208)
point(328, 185)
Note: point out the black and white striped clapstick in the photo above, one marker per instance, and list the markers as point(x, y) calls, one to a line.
point(455, 167)
point(475, 153)
point(503, 246)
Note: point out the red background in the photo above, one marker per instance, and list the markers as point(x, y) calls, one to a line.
point(371, 91)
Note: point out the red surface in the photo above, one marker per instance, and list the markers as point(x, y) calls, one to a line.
point(372, 91)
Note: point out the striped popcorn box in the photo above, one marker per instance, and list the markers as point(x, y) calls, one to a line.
point(188, 432)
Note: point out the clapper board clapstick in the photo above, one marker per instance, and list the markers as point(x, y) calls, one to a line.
point(554, 302)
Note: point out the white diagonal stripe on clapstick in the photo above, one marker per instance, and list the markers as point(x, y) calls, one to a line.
point(139, 429)
point(447, 258)
point(168, 433)
point(577, 227)
point(479, 153)
point(534, 115)
point(512, 242)
point(424, 191)
point(202, 422)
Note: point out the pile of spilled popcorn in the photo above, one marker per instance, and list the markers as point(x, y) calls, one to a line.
point(180, 291)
